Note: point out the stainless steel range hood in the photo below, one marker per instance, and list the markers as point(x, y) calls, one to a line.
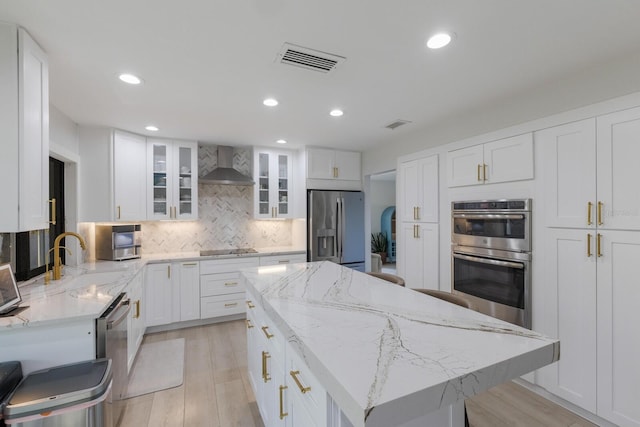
point(225, 173)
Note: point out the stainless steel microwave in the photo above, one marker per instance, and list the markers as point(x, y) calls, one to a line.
point(118, 242)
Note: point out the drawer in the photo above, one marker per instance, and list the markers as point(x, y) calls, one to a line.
point(282, 259)
point(222, 305)
point(228, 265)
point(221, 284)
point(305, 386)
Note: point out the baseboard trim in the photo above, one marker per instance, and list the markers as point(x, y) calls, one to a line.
point(191, 323)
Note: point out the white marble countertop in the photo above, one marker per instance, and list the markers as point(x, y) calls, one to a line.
point(383, 351)
point(84, 292)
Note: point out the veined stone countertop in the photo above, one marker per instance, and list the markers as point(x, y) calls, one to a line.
point(384, 352)
point(84, 292)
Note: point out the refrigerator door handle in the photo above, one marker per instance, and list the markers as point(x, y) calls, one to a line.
point(342, 228)
point(338, 230)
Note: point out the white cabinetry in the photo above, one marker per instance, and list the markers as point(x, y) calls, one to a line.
point(129, 179)
point(158, 294)
point(273, 192)
point(504, 160)
point(417, 242)
point(282, 259)
point(135, 292)
point(172, 292)
point(333, 169)
point(590, 260)
point(222, 291)
point(172, 179)
point(186, 276)
point(24, 130)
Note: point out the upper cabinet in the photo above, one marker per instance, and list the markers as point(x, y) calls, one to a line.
point(129, 179)
point(504, 160)
point(24, 130)
point(333, 169)
point(273, 191)
point(418, 190)
point(172, 178)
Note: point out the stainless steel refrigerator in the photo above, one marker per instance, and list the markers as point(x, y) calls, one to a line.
point(335, 227)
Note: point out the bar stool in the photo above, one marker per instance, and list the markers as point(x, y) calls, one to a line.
point(388, 277)
point(448, 296)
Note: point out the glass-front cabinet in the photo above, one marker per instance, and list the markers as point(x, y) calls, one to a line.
point(273, 191)
point(173, 173)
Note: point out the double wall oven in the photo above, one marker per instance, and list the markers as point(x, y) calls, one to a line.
point(491, 257)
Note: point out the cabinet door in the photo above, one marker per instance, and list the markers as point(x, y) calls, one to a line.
point(185, 180)
point(569, 291)
point(189, 290)
point(33, 95)
point(129, 179)
point(158, 294)
point(409, 189)
point(509, 159)
point(465, 166)
point(282, 182)
point(619, 170)
point(618, 320)
point(428, 208)
point(273, 192)
point(320, 163)
point(347, 164)
point(136, 318)
point(160, 180)
point(569, 178)
point(418, 258)
point(262, 190)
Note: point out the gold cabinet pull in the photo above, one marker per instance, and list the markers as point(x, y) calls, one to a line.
point(266, 332)
point(284, 261)
point(169, 271)
point(282, 413)
point(294, 375)
point(335, 172)
point(250, 304)
point(589, 245)
point(137, 305)
point(119, 212)
point(479, 166)
point(52, 202)
point(417, 212)
point(230, 304)
point(189, 264)
point(249, 324)
point(599, 244)
point(484, 172)
point(265, 374)
point(416, 231)
point(231, 283)
point(415, 216)
point(600, 222)
point(589, 207)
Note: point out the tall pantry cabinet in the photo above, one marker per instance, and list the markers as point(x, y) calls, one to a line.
point(591, 251)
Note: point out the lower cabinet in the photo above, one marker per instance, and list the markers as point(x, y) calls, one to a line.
point(158, 294)
point(186, 290)
point(135, 291)
point(172, 292)
point(417, 255)
point(222, 293)
point(282, 259)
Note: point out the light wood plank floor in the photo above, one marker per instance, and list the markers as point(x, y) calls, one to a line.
point(216, 392)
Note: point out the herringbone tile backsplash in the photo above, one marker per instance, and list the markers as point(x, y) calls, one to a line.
point(225, 216)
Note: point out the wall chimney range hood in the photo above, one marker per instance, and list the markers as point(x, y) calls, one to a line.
point(225, 174)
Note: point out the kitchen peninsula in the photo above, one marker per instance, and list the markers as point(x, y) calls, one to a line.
point(330, 346)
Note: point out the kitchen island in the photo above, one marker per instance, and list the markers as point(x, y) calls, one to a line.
point(336, 347)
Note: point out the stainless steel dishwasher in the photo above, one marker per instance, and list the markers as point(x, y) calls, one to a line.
point(111, 342)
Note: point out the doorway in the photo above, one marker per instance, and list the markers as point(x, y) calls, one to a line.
point(382, 214)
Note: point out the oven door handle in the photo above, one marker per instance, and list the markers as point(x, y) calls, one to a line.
point(488, 216)
point(489, 261)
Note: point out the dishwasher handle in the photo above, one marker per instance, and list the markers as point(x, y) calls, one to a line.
point(119, 313)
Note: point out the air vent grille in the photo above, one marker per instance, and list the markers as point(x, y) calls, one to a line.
point(397, 124)
point(310, 59)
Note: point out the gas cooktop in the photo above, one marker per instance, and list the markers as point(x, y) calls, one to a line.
point(240, 251)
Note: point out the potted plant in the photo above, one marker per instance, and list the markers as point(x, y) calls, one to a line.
point(379, 245)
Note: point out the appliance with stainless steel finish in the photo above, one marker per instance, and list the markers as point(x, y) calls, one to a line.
point(218, 252)
point(495, 224)
point(335, 227)
point(225, 174)
point(111, 342)
point(118, 242)
point(491, 257)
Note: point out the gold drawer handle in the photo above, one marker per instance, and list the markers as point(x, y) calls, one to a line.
point(249, 324)
point(265, 375)
point(599, 244)
point(137, 304)
point(484, 172)
point(250, 304)
point(282, 413)
point(600, 222)
point(231, 283)
point(294, 375)
point(588, 245)
point(479, 166)
point(589, 207)
point(231, 304)
point(264, 329)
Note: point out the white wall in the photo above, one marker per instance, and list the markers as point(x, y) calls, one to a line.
point(383, 195)
point(63, 134)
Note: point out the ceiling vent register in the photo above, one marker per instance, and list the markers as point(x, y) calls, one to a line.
point(397, 124)
point(310, 59)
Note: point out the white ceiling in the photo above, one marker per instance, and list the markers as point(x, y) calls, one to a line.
point(207, 65)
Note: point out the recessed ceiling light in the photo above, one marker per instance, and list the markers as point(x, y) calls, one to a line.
point(336, 113)
point(130, 78)
point(281, 141)
point(270, 102)
point(438, 40)
point(152, 128)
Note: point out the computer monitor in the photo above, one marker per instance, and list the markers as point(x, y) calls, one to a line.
point(9, 292)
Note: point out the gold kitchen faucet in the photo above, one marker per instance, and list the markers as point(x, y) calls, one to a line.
point(57, 260)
